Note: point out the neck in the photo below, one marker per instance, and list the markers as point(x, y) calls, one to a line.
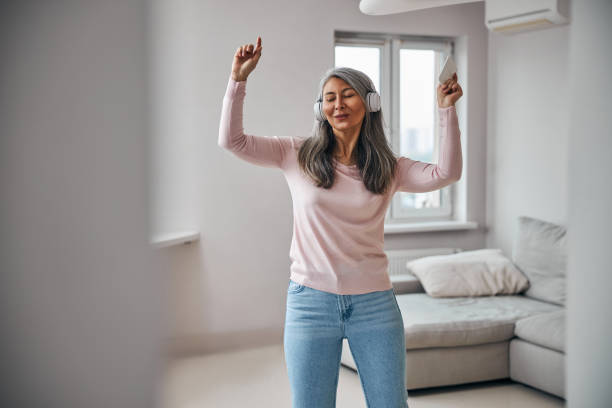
point(345, 144)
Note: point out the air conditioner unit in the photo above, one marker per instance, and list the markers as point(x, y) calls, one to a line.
point(514, 16)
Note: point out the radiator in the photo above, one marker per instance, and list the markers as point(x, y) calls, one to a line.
point(399, 257)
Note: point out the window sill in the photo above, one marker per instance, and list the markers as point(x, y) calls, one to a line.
point(430, 226)
point(174, 238)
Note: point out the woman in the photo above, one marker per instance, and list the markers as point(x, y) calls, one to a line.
point(341, 181)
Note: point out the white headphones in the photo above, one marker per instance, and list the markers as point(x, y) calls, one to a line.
point(372, 105)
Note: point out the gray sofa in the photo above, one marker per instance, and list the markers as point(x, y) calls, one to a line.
point(469, 339)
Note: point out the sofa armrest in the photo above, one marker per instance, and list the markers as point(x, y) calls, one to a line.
point(406, 283)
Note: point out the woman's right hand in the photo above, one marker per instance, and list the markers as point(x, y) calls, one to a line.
point(245, 60)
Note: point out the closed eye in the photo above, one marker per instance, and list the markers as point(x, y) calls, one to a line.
point(346, 96)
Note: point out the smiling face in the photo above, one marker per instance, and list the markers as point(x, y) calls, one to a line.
point(340, 99)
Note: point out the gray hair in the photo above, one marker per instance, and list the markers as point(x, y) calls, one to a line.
point(376, 160)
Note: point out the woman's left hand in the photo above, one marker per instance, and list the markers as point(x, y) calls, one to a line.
point(449, 92)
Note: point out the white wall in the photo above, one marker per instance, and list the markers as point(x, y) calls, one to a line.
point(229, 289)
point(589, 327)
point(82, 307)
point(527, 118)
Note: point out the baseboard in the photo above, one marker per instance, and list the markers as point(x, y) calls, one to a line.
point(207, 343)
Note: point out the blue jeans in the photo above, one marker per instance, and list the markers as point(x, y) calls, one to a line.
point(315, 324)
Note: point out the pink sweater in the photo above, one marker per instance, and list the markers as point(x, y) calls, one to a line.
point(338, 234)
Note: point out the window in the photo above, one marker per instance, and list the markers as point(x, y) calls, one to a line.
point(404, 70)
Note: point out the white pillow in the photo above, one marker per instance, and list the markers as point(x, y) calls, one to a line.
point(482, 272)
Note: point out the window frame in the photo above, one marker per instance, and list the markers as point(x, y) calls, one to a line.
point(390, 46)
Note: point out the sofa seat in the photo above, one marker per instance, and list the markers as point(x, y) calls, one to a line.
point(546, 330)
point(406, 283)
point(464, 321)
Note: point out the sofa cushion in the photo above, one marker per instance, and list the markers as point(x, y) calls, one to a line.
point(546, 329)
point(539, 251)
point(449, 322)
point(481, 272)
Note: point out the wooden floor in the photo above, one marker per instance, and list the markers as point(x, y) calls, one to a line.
point(258, 378)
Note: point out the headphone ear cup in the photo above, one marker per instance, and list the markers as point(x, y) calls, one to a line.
point(318, 112)
point(373, 99)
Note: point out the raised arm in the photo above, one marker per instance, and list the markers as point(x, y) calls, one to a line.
point(420, 177)
point(260, 150)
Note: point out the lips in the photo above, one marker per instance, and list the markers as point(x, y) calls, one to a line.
point(341, 116)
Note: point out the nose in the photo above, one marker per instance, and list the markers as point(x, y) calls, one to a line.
point(338, 103)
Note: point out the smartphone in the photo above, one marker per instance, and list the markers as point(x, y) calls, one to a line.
point(448, 70)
